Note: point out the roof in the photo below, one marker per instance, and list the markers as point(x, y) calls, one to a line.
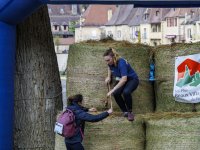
point(178, 12)
point(63, 20)
point(58, 10)
point(145, 19)
point(97, 15)
point(157, 18)
point(66, 41)
point(122, 15)
point(192, 17)
point(130, 16)
point(136, 19)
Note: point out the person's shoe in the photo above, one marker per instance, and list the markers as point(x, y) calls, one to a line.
point(130, 116)
point(125, 114)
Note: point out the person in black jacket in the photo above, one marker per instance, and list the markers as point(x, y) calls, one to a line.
point(81, 115)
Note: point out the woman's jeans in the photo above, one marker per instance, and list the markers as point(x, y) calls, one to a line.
point(125, 103)
point(75, 146)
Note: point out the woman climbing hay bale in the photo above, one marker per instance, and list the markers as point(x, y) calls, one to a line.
point(86, 72)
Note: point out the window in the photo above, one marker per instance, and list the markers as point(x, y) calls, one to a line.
point(157, 13)
point(175, 21)
point(62, 11)
point(50, 10)
point(189, 35)
point(156, 27)
point(109, 14)
point(119, 34)
point(192, 13)
point(146, 16)
point(94, 34)
point(64, 27)
point(153, 27)
point(145, 33)
point(56, 27)
point(110, 34)
point(135, 32)
point(171, 22)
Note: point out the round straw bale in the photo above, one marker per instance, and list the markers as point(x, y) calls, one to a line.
point(173, 133)
point(164, 74)
point(86, 72)
point(114, 133)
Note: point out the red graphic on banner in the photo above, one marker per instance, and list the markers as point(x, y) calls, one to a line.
point(192, 65)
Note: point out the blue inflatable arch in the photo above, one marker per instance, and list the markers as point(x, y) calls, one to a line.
point(13, 12)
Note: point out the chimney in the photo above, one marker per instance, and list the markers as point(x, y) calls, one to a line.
point(74, 9)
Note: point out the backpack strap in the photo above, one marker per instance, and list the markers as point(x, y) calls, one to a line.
point(81, 133)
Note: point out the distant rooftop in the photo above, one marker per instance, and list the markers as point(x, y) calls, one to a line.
point(97, 15)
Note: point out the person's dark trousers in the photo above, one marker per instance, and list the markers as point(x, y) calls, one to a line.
point(126, 90)
point(75, 146)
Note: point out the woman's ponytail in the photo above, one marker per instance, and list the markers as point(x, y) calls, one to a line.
point(115, 56)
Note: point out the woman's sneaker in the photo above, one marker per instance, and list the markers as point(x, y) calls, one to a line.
point(125, 114)
point(130, 116)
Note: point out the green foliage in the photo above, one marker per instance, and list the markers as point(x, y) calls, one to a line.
point(72, 26)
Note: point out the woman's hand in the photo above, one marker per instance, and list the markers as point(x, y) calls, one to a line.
point(110, 111)
point(92, 109)
point(107, 80)
point(110, 92)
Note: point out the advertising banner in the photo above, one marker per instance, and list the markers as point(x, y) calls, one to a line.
point(187, 79)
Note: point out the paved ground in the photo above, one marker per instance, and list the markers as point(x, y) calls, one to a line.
point(64, 94)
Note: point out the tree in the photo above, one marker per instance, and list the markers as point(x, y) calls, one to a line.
point(72, 26)
point(37, 84)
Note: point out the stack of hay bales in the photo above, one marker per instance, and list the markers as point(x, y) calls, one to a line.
point(114, 133)
point(164, 74)
point(86, 72)
point(173, 132)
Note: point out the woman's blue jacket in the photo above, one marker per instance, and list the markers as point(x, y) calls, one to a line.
point(81, 116)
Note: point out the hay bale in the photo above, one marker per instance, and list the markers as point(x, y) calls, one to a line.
point(164, 74)
point(59, 142)
point(173, 133)
point(86, 72)
point(114, 133)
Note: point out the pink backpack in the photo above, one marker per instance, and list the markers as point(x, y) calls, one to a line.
point(65, 125)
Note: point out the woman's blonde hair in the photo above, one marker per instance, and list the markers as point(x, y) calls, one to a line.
point(112, 52)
